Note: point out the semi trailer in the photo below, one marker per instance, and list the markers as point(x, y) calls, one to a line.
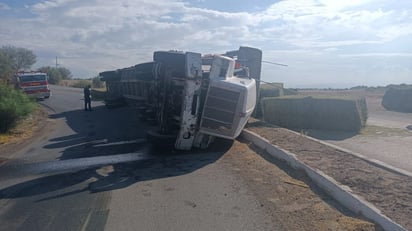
point(192, 98)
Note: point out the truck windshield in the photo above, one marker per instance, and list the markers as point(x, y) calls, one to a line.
point(30, 78)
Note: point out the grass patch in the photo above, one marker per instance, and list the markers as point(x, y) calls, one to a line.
point(24, 128)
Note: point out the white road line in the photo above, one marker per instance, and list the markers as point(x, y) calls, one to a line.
point(73, 165)
point(138, 141)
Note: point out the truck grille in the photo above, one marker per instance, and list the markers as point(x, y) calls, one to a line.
point(219, 111)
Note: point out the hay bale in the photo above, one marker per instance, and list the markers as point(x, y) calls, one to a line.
point(270, 90)
point(267, 90)
point(323, 113)
point(287, 91)
point(398, 98)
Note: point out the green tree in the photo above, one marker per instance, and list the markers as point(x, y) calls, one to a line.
point(56, 74)
point(6, 70)
point(65, 73)
point(20, 58)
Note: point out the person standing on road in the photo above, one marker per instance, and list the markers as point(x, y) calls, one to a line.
point(87, 98)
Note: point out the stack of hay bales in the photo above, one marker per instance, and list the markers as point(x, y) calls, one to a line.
point(316, 112)
point(398, 98)
point(270, 90)
point(267, 90)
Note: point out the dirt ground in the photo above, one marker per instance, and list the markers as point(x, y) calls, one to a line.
point(288, 196)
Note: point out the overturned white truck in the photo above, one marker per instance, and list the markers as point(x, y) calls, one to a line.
point(192, 98)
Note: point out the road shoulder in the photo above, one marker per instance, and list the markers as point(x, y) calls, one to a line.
point(27, 130)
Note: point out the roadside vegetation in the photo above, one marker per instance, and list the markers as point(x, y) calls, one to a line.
point(14, 59)
point(98, 86)
point(14, 105)
point(95, 82)
point(56, 74)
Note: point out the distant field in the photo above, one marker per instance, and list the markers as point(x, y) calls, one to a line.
point(79, 84)
point(74, 82)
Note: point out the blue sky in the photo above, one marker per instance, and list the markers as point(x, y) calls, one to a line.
point(325, 43)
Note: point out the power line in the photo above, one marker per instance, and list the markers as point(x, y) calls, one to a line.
point(279, 64)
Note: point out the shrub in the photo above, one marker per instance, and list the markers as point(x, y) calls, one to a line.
point(14, 105)
point(323, 113)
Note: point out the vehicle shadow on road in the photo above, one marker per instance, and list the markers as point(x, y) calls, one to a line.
point(109, 177)
point(103, 136)
point(101, 125)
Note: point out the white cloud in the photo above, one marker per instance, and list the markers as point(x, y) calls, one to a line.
point(342, 5)
point(4, 6)
point(327, 23)
point(377, 54)
point(315, 37)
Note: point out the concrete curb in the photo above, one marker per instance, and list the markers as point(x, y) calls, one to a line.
point(340, 193)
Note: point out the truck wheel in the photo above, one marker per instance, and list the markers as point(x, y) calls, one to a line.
point(160, 139)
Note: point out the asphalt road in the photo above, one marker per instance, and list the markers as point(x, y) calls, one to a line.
point(93, 170)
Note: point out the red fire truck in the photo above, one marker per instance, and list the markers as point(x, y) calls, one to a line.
point(34, 84)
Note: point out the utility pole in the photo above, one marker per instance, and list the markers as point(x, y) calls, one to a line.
point(57, 64)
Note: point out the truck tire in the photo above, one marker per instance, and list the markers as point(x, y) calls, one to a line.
point(156, 138)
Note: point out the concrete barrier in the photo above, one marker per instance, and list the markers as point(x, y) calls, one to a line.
point(341, 193)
